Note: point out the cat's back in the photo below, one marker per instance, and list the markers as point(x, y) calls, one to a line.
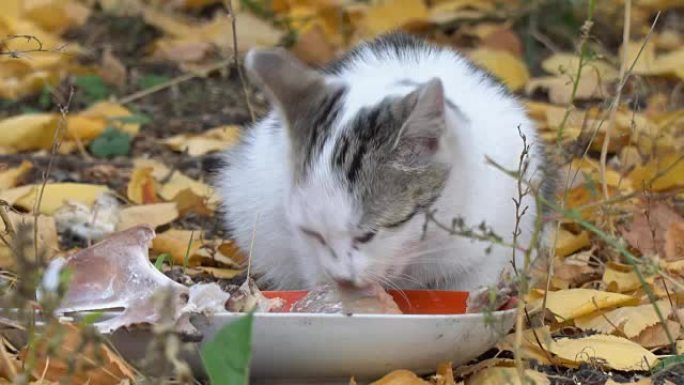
point(395, 64)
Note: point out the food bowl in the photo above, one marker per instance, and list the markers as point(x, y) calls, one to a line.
point(301, 348)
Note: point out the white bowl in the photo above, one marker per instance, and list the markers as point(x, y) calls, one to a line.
point(300, 348)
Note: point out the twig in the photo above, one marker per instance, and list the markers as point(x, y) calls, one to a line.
point(584, 38)
point(624, 76)
point(229, 6)
point(56, 143)
point(172, 82)
point(5, 50)
point(523, 165)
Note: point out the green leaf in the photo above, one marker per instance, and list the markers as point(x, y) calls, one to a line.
point(151, 80)
point(227, 356)
point(110, 143)
point(94, 88)
point(159, 262)
point(45, 99)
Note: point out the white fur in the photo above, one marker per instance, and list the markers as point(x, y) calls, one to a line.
point(257, 189)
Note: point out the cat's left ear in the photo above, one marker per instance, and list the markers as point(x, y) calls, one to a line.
point(420, 136)
point(287, 81)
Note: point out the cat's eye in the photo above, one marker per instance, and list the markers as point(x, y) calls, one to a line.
point(313, 234)
point(366, 237)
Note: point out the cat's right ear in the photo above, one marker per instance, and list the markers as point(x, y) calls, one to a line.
point(287, 81)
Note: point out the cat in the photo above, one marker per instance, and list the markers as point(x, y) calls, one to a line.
point(336, 183)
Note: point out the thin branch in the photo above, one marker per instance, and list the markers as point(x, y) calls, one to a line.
point(56, 143)
point(233, 20)
point(175, 81)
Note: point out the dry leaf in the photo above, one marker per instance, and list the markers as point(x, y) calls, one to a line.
point(112, 70)
point(560, 89)
point(142, 188)
point(620, 278)
point(28, 132)
point(216, 139)
point(674, 241)
point(445, 374)
point(647, 230)
point(112, 114)
point(55, 195)
point(568, 243)
point(153, 215)
point(660, 174)
point(530, 348)
point(400, 377)
point(507, 376)
point(179, 243)
point(573, 270)
point(73, 345)
point(631, 320)
point(573, 303)
point(48, 241)
point(565, 64)
point(607, 351)
point(386, 16)
point(174, 183)
point(655, 336)
point(10, 177)
point(55, 15)
point(313, 48)
point(503, 65)
point(187, 201)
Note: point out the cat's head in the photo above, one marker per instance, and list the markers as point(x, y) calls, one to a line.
point(359, 178)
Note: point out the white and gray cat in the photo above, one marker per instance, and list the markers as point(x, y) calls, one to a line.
point(333, 184)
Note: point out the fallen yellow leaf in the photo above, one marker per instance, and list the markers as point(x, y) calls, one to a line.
point(48, 242)
point(502, 64)
point(56, 194)
point(401, 377)
point(655, 336)
point(386, 16)
point(508, 376)
point(142, 188)
point(10, 178)
point(174, 183)
point(566, 64)
point(568, 243)
point(154, 215)
point(608, 351)
point(73, 358)
point(216, 139)
point(619, 277)
point(56, 15)
point(662, 173)
point(179, 243)
point(572, 303)
point(28, 132)
point(112, 114)
point(632, 320)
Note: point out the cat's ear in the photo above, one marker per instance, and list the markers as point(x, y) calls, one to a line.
point(287, 81)
point(420, 137)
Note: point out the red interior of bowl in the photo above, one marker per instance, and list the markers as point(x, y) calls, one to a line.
point(409, 301)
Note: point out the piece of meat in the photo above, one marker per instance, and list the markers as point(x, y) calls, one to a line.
point(330, 299)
